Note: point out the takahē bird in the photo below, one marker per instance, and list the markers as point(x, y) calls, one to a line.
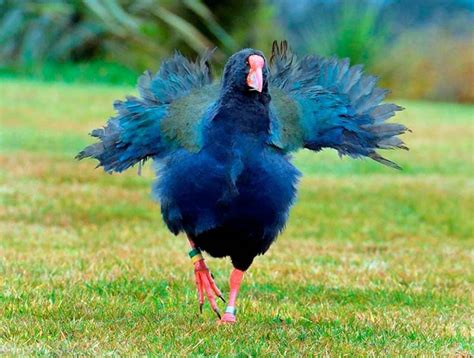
point(224, 172)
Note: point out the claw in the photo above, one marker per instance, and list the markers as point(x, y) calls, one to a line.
point(217, 312)
point(200, 307)
point(222, 298)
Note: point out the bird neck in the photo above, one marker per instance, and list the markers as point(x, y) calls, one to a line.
point(244, 112)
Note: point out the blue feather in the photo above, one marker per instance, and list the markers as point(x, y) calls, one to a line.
point(331, 105)
point(165, 118)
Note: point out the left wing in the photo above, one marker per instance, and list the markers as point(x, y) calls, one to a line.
point(324, 103)
point(169, 114)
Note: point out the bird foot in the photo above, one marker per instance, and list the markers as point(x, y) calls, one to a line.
point(205, 285)
point(229, 316)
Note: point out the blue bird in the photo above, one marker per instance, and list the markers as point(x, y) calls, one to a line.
point(224, 175)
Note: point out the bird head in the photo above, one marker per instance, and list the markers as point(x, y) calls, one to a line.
point(246, 71)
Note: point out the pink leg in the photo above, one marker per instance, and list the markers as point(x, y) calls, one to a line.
point(235, 280)
point(205, 284)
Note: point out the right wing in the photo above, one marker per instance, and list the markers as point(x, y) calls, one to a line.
point(171, 113)
point(324, 103)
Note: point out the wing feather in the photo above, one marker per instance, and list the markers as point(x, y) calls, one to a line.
point(324, 103)
point(169, 114)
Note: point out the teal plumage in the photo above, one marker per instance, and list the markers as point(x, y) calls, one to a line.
point(169, 114)
point(316, 103)
point(324, 103)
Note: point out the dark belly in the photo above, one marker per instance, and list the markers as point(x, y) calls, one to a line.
point(236, 208)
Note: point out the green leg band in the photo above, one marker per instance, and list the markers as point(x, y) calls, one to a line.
point(194, 252)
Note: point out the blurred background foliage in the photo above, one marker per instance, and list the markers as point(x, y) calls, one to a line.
point(419, 48)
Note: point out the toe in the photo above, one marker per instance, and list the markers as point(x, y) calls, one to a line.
point(213, 285)
point(228, 318)
point(209, 292)
point(200, 289)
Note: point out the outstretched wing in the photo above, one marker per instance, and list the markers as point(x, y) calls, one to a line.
point(170, 113)
point(324, 103)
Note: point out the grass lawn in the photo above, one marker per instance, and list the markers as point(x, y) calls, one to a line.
point(373, 261)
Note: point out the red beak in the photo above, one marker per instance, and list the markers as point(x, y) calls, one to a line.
point(255, 76)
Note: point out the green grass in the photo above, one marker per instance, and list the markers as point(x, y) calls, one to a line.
point(81, 72)
point(373, 261)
